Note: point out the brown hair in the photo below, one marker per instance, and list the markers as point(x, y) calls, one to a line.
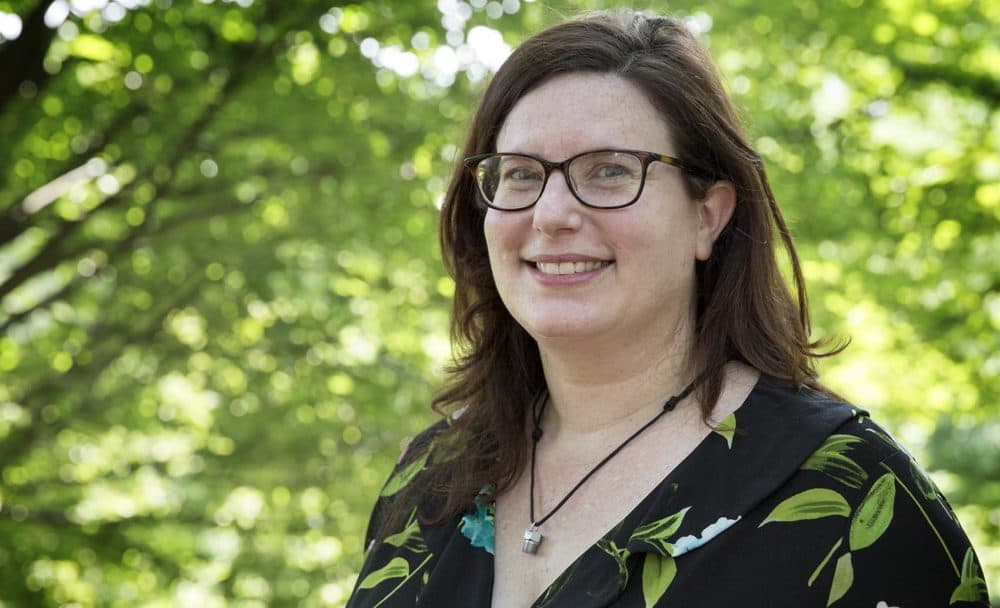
point(745, 310)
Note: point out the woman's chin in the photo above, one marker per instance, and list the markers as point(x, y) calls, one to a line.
point(562, 329)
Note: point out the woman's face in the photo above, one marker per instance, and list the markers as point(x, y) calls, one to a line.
point(633, 269)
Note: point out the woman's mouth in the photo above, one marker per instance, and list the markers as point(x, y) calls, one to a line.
point(559, 268)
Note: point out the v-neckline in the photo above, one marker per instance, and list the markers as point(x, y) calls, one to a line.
point(642, 506)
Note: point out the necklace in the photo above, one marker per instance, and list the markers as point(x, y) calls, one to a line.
point(532, 536)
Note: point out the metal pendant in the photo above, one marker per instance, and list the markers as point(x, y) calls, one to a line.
point(532, 538)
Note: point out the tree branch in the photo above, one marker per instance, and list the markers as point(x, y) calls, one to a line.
point(980, 85)
point(23, 57)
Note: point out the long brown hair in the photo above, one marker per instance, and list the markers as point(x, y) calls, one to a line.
point(745, 310)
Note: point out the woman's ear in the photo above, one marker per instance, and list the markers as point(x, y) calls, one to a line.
point(714, 212)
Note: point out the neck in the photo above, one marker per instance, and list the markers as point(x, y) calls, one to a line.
point(603, 386)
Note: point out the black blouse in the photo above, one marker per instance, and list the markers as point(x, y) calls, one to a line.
point(794, 500)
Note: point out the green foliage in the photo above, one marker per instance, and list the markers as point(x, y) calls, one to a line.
point(843, 578)
point(809, 504)
point(658, 571)
point(831, 460)
point(657, 532)
point(223, 312)
point(874, 514)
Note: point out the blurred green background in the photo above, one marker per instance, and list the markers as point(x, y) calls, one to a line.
point(222, 309)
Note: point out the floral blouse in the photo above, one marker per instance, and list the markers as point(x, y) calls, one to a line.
point(794, 500)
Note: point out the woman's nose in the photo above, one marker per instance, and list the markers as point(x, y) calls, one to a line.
point(557, 209)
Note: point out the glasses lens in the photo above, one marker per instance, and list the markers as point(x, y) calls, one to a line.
point(510, 181)
point(606, 178)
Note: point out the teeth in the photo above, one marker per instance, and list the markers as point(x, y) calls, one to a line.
point(569, 267)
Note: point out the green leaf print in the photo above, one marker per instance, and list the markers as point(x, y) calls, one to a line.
point(972, 587)
point(822, 564)
point(409, 537)
point(923, 481)
point(557, 585)
point(658, 572)
point(885, 437)
point(448, 446)
point(874, 514)
point(843, 578)
point(930, 524)
point(810, 504)
point(830, 459)
point(404, 476)
point(619, 555)
point(727, 428)
point(396, 568)
point(657, 532)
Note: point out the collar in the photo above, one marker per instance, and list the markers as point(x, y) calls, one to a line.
point(751, 454)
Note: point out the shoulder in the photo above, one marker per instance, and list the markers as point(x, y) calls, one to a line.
point(889, 532)
point(801, 403)
point(897, 538)
point(421, 443)
point(414, 457)
point(861, 454)
point(780, 425)
point(412, 460)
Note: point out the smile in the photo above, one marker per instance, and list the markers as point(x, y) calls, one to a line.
point(570, 267)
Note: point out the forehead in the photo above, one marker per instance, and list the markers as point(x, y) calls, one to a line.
point(572, 113)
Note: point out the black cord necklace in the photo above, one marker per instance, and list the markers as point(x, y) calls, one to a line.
point(532, 537)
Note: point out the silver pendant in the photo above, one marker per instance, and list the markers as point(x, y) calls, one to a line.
point(532, 538)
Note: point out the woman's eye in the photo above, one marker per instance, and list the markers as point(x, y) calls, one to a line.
point(521, 174)
point(612, 171)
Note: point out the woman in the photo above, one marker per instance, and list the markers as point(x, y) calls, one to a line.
point(635, 420)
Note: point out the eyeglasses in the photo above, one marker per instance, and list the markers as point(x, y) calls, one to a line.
point(603, 179)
